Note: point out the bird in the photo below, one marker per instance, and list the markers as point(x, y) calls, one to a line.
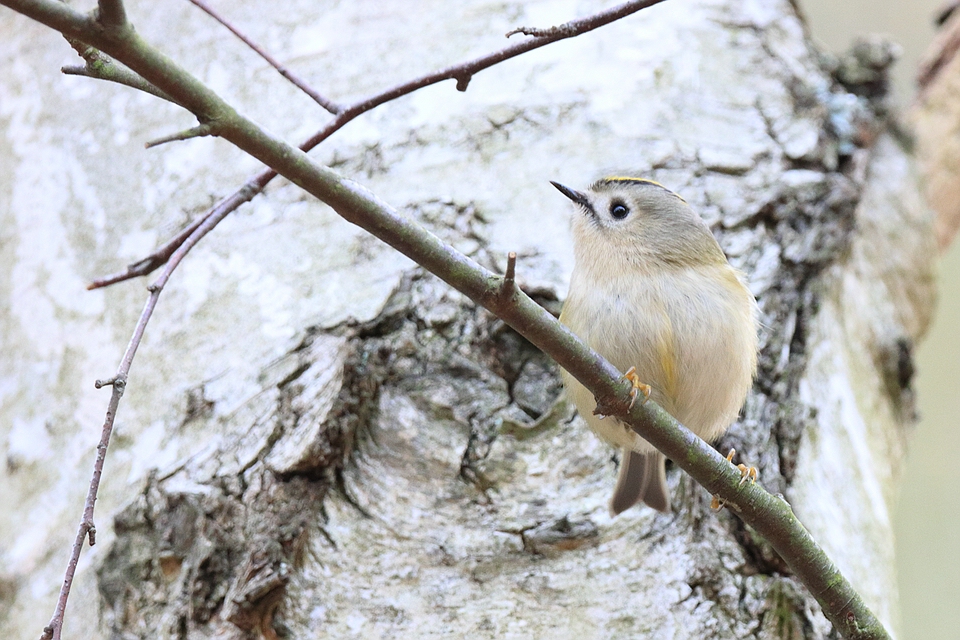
point(653, 293)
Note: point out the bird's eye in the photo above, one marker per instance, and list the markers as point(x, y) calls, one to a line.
point(619, 210)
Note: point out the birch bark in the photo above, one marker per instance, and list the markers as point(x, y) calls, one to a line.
point(320, 440)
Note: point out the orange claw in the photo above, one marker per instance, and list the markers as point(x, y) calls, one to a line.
point(746, 473)
point(637, 385)
point(716, 503)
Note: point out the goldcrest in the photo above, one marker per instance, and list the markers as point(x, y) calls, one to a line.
point(651, 289)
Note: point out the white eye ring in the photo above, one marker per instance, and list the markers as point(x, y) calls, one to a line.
point(619, 210)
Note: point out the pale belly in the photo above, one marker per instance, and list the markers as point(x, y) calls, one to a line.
point(687, 337)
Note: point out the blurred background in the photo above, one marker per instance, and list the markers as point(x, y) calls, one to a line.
point(928, 515)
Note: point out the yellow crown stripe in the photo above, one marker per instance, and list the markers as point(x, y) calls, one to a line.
point(622, 179)
point(631, 179)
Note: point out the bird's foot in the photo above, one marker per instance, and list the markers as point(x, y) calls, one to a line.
point(746, 473)
point(637, 386)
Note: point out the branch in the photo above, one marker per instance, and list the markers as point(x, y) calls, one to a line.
point(87, 526)
point(329, 105)
point(101, 67)
point(218, 212)
point(53, 630)
point(509, 276)
point(770, 516)
point(198, 131)
point(110, 13)
point(461, 72)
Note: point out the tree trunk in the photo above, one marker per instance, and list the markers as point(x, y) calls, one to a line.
point(320, 440)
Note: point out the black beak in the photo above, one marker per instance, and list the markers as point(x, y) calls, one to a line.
point(576, 196)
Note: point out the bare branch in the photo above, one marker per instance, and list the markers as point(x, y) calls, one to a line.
point(110, 13)
point(329, 105)
point(87, 527)
point(509, 276)
point(942, 50)
point(461, 72)
point(251, 188)
point(508, 285)
point(563, 31)
point(118, 382)
point(101, 67)
point(198, 131)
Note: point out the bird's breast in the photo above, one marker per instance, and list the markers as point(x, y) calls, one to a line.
point(690, 334)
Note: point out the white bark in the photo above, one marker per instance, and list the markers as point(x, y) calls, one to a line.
point(289, 341)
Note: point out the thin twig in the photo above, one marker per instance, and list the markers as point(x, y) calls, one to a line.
point(118, 382)
point(87, 527)
point(198, 131)
point(509, 276)
point(231, 203)
point(117, 74)
point(562, 30)
point(461, 72)
point(100, 66)
point(329, 105)
point(943, 49)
